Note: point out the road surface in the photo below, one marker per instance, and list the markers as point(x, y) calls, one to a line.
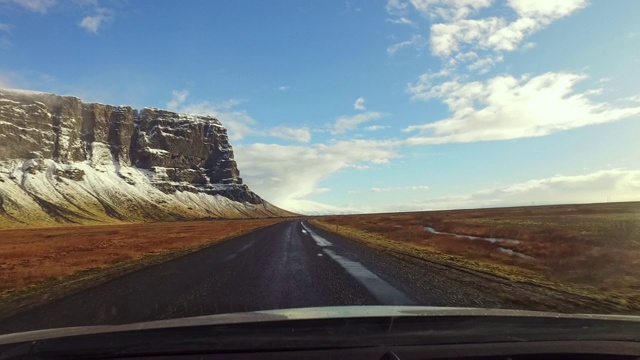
point(287, 265)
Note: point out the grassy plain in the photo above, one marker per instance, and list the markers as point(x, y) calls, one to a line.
point(40, 264)
point(591, 250)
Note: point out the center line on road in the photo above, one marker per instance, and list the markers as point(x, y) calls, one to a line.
point(245, 247)
point(380, 289)
point(317, 238)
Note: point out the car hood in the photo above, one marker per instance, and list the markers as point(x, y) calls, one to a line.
point(313, 313)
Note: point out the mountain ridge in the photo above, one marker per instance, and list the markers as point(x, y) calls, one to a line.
point(66, 161)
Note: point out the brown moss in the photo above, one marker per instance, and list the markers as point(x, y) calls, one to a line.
point(592, 250)
point(32, 256)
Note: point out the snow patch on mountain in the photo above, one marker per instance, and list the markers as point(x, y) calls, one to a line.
point(45, 192)
point(65, 161)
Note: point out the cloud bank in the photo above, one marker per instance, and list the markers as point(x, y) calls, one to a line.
point(505, 107)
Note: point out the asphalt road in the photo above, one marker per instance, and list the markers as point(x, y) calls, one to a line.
point(287, 265)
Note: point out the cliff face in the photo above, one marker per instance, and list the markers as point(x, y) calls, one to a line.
point(191, 151)
point(65, 160)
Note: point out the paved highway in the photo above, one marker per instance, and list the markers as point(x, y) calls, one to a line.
point(287, 265)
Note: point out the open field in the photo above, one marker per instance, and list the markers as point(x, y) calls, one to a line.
point(592, 250)
point(41, 264)
point(585, 256)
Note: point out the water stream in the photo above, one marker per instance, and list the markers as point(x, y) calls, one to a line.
point(493, 240)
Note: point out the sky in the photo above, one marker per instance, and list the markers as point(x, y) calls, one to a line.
point(366, 106)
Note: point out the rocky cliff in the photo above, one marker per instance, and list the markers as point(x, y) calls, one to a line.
point(63, 160)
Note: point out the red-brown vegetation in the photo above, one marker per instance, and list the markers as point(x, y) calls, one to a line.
point(596, 246)
point(33, 256)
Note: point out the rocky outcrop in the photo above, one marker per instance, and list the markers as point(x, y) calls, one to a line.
point(187, 153)
point(61, 128)
point(67, 141)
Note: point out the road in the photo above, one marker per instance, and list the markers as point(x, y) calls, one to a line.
point(287, 265)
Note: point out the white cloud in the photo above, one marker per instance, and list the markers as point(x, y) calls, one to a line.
point(321, 190)
point(347, 123)
point(455, 29)
point(427, 81)
point(5, 43)
point(401, 188)
point(484, 65)
point(487, 34)
point(94, 22)
point(545, 9)
point(396, 7)
point(505, 107)
point(634, 98)
point(301, 134)
point(375, 127)
point(310, 207)
point(90, 23)
point(359, 104)
point(350, 8)
point(39, 6)
point(177, 99)
point(449, 10)
point(300, 168)
point(237, 122)
point(401, 21)
point(283, 88)
point(415, 41)
point(600, 186)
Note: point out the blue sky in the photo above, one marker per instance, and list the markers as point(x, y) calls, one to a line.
point(339, 106)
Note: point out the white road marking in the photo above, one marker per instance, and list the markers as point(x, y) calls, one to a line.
point(380, 289)
point(232, 256)
point(322, 242)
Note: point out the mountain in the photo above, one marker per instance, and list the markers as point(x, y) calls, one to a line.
point(66, 161)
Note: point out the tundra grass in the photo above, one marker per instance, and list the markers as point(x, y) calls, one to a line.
point(40, 265)
point(592, 251)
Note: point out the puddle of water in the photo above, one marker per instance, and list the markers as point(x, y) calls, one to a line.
point(489, 239)
point(515, 253)
point(470, 237)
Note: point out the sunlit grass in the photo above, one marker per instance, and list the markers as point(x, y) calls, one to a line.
point(51, 262)
point(590, 250)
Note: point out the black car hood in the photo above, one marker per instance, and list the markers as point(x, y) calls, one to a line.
point(315, 313)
